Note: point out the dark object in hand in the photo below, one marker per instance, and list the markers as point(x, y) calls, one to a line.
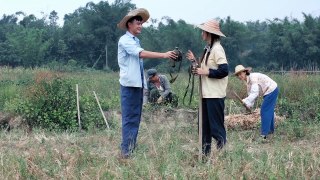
point(194, 66)
point(178, 53)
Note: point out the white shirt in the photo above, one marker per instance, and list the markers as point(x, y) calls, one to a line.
point(258, 84)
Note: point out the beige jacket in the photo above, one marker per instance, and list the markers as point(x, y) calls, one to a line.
point(211, 87)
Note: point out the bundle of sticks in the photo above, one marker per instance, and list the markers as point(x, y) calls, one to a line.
point(247, 121)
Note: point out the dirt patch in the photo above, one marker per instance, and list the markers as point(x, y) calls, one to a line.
point(11, 121)
point(159, 115)
point(164, 115)
point(170, 114)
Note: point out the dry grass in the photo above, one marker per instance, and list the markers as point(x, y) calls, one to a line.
point(167, 141)
point(167, 150)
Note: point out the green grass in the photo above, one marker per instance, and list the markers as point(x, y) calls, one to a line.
point(167, 145)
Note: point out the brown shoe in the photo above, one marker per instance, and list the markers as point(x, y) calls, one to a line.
point(124, 156)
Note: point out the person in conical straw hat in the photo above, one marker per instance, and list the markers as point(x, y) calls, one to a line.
point(259, 84)
point(132, 79)
point(213, 72)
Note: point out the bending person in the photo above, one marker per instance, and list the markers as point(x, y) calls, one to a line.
point(259, 84)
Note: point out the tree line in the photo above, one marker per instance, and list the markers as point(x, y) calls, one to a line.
point(90, 31)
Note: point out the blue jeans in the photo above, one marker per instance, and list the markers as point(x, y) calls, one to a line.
point(267, 112)
point(131, 107)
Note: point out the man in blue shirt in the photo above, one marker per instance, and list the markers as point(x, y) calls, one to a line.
point(132, 80)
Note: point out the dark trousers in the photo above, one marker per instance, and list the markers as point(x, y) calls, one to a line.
point(131, 107)
point(213, 123)
point(171, 98)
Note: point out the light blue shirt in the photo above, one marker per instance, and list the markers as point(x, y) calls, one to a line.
point(131, 72)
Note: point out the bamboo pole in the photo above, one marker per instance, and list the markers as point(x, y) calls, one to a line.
point(200, 119)
point(104, 117)
point(78, 107)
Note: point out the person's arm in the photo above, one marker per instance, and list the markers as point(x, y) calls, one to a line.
point(221, 72)
point(190, 56)
point(253, 94)
point(219, 57)
point(145, 95)
point(150, 54)
point(167, 88)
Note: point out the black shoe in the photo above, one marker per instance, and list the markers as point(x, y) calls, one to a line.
point(263, 139)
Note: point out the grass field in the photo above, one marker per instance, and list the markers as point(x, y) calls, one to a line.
point(167, 143)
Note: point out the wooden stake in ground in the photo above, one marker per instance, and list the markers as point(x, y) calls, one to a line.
point(78, 107)
point(105, 120)
point(200, 119)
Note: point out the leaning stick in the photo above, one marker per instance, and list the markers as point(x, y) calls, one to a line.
point(200, 119)
point(244, 104)
point(105, 120)
point(78, 107)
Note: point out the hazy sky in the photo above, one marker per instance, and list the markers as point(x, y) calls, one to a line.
point(192, 11)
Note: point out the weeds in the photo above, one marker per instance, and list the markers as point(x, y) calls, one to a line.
point(167, 146)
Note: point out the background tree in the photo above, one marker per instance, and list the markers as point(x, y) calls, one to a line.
point(272, 44)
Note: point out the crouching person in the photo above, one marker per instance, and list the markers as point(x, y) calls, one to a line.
point(159, 90)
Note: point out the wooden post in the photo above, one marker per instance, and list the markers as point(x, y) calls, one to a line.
point(106, 47)
point(78, 107)
point(105, 120)
point(200, 119)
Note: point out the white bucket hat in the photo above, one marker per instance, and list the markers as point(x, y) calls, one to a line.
point(211, 26)
point(136, 12)
point(241, 68)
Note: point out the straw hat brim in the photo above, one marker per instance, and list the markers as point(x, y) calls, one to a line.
point(245, 69)
point(136, 12)
point(213, 31)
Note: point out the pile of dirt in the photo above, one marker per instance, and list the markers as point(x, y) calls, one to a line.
point(10, 121)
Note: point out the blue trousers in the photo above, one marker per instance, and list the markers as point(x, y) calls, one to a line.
point(213, 123)
point(131, 107)
point(267, 112)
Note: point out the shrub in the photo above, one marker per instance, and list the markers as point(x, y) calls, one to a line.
point(50, 103)
point(91, 117)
